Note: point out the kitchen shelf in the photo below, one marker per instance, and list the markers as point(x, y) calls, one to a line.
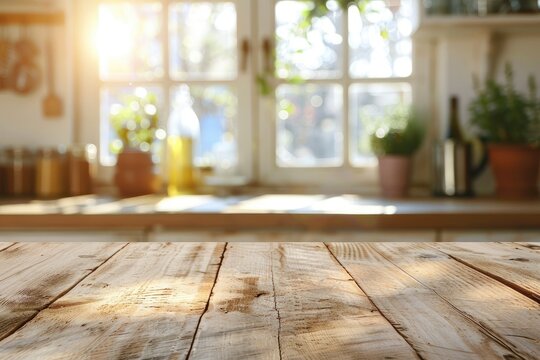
point(31, 18)
point(504, 24)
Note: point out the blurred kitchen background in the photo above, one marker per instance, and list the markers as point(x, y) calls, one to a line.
point(282, 92)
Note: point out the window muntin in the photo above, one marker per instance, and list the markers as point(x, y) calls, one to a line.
point(378, 59)
point(202, 55)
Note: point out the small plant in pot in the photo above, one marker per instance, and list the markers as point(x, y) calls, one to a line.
point(394, 141)
point(510, 121)
point(135, 122)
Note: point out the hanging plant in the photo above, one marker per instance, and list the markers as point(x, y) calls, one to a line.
point(317, 9)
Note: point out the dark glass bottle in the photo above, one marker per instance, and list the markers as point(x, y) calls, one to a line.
point(454, 127)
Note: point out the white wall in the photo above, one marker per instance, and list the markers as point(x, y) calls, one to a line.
point(21, 117)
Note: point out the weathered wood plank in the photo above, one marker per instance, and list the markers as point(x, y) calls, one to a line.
point(515, 266)
point(241, 321)
point(33, 275)
point(323, 313)
point(432, 326)
point(143, 303)
point(532, 245)
point(72, 236)
point(5, 245)
point(501, 311)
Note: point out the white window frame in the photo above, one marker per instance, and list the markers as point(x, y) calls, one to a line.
point(345, 176)
point(90, 84)
point(256, 113)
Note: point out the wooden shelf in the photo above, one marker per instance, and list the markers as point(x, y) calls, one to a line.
point(28, 18)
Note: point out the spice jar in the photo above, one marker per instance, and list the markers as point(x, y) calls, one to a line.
point(20, 171)
point(51, 173)
point(81, 168)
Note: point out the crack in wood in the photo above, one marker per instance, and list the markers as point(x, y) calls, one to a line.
point(61, 294)
point(7, 247)
point(394, 325)
point(482, 327)
point(207, 301)
point(275, 302)
point(531, 295)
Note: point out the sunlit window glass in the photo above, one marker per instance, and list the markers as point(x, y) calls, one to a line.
point(129, 41)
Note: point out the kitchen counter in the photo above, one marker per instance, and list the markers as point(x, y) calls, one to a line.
point(209, 300)
point(304, 212)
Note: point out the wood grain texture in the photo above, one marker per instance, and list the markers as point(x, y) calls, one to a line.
point(511, 317)
point(33, 275)
point(323, 314)
point(490, 235)
point(143, 303)
point(5, 245)
point(509, 263)
point(531, 245)
point(432, 326)
point(72, 236)
point(241, 321)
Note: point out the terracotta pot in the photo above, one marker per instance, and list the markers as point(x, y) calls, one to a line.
point(134, 173)
point(515, 168)
point(394, 175)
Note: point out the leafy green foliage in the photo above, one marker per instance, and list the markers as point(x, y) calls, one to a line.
point(503, 115)
point(320, 9)
point(400, 132)
point(135, 121)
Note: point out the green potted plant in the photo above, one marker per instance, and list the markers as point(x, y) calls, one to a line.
point(396, 138)
point(135, 122)
point(510, 121)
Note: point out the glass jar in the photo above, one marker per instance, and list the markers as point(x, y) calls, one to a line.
point(81, 162)
point(51, 173)
point(3, 174)
point(20, 171)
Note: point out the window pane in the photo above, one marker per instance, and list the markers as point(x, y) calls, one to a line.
point(137, 109)
point(368, 104)
point(309, 125)
point(308, 51)
point(129, 40)
point(216, 108)
point(203, 40)
point(379, 39)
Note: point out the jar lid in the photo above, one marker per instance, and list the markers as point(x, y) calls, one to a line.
point(18, 151)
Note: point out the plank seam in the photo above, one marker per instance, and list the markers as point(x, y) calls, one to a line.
point(275, 303)
point(373, 303)
point(530, 294)
point(60, 295)
point(484, 329)
point(207, 302)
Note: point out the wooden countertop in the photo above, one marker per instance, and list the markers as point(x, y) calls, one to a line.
point(313, 212)
point(269, 300)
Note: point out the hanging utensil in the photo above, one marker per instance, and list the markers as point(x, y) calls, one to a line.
point(25, 75)
point(52, 103)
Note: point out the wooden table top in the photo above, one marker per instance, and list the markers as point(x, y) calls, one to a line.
point(312, 212)
point(269, 300)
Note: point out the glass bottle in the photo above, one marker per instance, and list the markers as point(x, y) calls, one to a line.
point(20, 171)
point(183, 132)
point(454, 127)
